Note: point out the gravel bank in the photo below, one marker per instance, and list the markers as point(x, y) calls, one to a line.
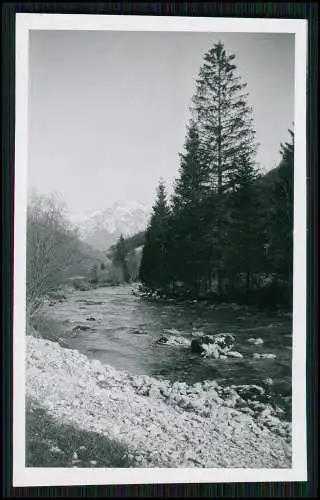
point(162, 424)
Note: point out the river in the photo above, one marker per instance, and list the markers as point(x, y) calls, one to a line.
point(122, 330)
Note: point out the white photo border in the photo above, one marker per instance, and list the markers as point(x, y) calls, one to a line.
point(28, 476)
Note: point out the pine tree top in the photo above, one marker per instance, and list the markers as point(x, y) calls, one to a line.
point(161, 208)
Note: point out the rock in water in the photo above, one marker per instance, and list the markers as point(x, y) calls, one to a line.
point(264, 356)
point(234, 354)
point(210, 350)
point(225, 341)
point(196, 346)
point(256, 341)
point(268, 381)
point(178, 341)
point(162, 341)
point(174, 341)
point(250, 391)
point(214, 345)
point(81, 328)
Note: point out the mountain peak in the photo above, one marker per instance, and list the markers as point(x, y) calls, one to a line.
point(102, 229)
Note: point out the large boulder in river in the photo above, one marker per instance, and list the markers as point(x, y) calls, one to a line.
point(224, 341)
point(214, 345)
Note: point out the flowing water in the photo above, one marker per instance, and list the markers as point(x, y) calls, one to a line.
point(122, 330)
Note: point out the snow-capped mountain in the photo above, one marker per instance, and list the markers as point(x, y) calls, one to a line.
point(102, 229)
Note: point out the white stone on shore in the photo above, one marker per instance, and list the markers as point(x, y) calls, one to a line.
point(154, 392)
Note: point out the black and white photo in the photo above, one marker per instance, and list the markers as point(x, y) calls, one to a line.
point(159, 311)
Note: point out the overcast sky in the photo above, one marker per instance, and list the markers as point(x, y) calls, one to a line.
point(108, 110)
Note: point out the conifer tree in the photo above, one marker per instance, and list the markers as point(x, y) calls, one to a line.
point(190, 252)
point(245, 232)
point(281, 214)
point(120, 258)
point(193, 183)
point(154, 263)
point(225, 125)
point(224, 119)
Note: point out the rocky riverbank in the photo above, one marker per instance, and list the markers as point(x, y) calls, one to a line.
point(161, 424)
point(238, 303)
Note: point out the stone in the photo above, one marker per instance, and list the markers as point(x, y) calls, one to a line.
point(55, 449)
point(162, 340)
point(154, 392)
point(248, 391)
point(81, 328)
point(206, 413)
point(256, 341)
point(234, 354)
point(149, 424)
point(213, 345)
point(268, 381)
point(196, 346)
point(96, 366)
point(264, 356)
point(211, 350)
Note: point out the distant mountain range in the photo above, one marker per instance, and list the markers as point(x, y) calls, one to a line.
point(102, 229)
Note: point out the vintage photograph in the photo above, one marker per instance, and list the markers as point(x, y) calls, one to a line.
point(159, 249)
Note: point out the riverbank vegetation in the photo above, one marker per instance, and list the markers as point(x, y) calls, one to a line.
point(54, 444)
point(56, 258)
point(227, 232)
point(53, 251)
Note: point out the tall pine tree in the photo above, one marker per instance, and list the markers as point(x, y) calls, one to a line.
point(224, 119)
point(225, 126)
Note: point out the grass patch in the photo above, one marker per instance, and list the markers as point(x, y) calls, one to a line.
point(50, 444)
